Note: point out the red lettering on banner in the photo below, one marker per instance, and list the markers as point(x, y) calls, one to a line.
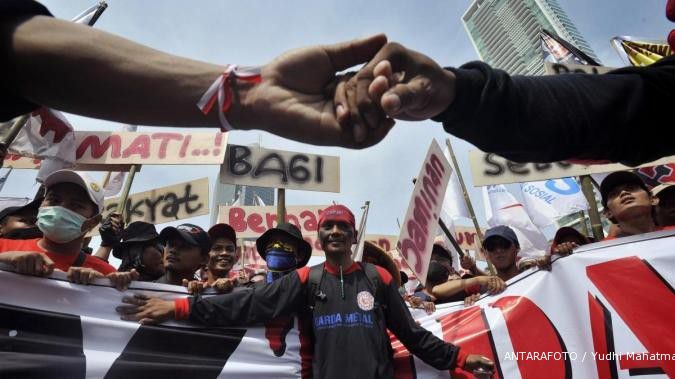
point(254, 223)
point(643, 301)
point(531, 330)
point(140, 146)
point(384, 244)
point(98, 149)
point(270, 219)
point(310, 222)
point(183, 147)
point(602, 338)
point(437, 165)
point(166, 137)
point(293, 219)
point(469, 329)
point(235, 219)
point(422, 216)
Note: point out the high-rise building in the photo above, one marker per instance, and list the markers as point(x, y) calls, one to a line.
point(505, 33)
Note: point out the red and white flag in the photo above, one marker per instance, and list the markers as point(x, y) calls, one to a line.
point(48, 136)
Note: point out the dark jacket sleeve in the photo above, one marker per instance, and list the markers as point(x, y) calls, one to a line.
point(250, 306)
point(622, 116)
point(13, 104)
point(419, 341)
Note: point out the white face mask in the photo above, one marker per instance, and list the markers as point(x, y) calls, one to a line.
point(60, 224)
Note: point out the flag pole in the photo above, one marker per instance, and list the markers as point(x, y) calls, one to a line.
point(593, 213)
point(125, 191)
point(357, 255)
point(467, 200)
point(281, 205)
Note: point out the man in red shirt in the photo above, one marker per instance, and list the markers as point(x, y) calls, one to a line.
point(72, 207)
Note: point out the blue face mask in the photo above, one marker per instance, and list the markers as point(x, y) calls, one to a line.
point(279, 263)
point(60, 224)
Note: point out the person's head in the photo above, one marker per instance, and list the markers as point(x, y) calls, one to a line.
point(665, 210)
point(437, 274)
point(441, 254)
point(186, 249)
point(71, 207)
point(501, 247)
point(569, 234)
point(283, 249)
point(19, 222)
point(337, 230)
point(374, 254)
point(223, 254)
point(140, 250)
point(626, 197)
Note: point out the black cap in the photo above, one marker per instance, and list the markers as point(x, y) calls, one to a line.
point(304, 248)
point(502, 231)
point(440, 251)
point(617, 178)
point(437, 273)
point(223, 230)
point(33, 205)
point(404, 277)
point(137, 231)
point(190, 233)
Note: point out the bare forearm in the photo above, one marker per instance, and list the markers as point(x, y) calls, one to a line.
point(82, 70)
point(453, 287)
point(103, 252)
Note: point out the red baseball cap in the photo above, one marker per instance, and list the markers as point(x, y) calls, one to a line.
point(337, 212)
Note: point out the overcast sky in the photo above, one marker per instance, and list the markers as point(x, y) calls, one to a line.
point(252, 32)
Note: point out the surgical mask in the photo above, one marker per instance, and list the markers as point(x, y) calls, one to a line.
point(60, 224)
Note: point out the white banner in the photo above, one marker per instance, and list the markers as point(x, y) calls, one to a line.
point(605, 311)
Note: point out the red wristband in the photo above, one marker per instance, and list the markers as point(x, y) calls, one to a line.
point(182, 308)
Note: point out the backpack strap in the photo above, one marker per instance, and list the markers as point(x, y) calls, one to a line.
point(80, 259)
point(314, 292)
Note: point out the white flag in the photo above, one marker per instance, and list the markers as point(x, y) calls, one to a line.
point(47, 135)
point(546, 201)
point(357, 252)
point(258, 200)
point(502, 208)
point(454, 204)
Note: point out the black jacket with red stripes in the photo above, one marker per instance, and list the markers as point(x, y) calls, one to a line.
point(350, 341)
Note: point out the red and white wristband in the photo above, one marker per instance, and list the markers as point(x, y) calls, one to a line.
point(221, 91)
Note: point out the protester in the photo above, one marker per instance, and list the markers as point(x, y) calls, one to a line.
point(140, 250)
point(350, 311)
point(629, 203)
point(76, 69)
point(222, 257)
point(19, 222)
point(504, 114)
point(566, 239)
point(111, 230)
point(70, 209)
point(443, 287)
point(665, 210)
point(283, 249)
point(186, 250)
point(501, 248)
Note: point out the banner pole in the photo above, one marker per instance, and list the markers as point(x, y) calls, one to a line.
point(479, 234)
point(281, 205)
point(125, 191)
point(593, 213)
point(357, 255)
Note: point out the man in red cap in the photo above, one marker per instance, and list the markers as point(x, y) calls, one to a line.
point(348, 312)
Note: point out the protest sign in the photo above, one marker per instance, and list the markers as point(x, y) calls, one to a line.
point(26, 163)
point(491, 169)
point(421, 220)
point(257, 166)
point(171, 203)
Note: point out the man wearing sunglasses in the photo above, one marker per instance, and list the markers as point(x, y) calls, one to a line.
point(501, 248)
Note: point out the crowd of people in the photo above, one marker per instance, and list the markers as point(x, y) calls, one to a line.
point(340, 300)
point(50, 233)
